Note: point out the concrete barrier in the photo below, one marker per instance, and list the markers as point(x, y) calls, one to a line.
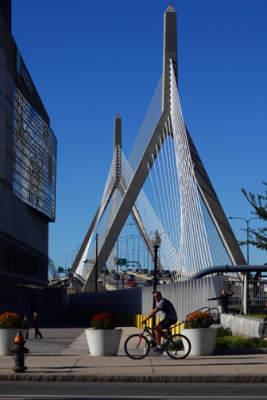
point(239, 325)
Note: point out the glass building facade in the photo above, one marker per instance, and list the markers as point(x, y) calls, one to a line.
point(34, 155)
point(28, 152)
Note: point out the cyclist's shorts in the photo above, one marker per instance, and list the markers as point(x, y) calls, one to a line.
point(166, 322)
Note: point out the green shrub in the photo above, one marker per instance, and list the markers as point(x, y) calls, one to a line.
point(238, 342)
point(221, 332)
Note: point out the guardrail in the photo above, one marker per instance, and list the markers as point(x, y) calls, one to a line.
point(136, 319)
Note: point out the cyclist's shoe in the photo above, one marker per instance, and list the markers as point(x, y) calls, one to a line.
point(157, 349)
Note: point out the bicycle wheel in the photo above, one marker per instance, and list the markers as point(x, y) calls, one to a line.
point(178, 346)
point(136, 347)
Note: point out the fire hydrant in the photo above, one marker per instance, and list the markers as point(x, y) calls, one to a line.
point(19, 353)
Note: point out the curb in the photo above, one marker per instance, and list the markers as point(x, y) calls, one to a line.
point(236, 352)
point(140, 378)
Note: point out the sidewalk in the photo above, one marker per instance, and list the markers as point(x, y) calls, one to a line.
point(73, 363)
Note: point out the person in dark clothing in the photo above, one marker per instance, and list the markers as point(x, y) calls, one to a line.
point(169, 317)
point(263, 324)
point(224, 298)
point(36, 319)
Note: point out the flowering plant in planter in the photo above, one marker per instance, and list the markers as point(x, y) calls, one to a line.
point(104, 321)
point(10, 320)
point(199, 320)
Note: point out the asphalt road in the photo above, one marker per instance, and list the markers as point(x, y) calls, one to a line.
point(133, 391)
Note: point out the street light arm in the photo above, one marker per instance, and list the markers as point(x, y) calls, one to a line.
point(247, 230)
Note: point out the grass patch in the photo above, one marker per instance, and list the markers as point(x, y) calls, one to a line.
point(259, 316)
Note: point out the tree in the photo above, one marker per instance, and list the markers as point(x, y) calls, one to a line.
point(258, 237)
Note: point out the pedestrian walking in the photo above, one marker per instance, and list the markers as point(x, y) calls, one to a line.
point(36, 319)
point(26, 325)
point(224, 298)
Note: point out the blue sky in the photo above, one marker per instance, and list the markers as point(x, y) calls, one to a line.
point(93, 59)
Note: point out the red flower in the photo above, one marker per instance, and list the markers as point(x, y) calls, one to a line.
point(104, 321)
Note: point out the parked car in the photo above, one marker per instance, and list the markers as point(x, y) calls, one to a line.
point(166, 273)
point(148, 282)
point(133, 284)
point(145, 271)
point(157, 281)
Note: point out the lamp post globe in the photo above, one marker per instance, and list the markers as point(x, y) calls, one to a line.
point(156, 240)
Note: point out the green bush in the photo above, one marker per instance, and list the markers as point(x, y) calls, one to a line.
point(238, 342)
point(221, 332)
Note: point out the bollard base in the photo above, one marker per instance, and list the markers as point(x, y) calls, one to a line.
point(19, 369)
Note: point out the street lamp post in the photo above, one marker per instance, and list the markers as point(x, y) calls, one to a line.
point(96, 261)
point(117, 268)
point(245, 290)
point(156, 241)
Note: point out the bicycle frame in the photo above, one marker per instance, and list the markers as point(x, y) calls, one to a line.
point(148, 330)
point(165, 334)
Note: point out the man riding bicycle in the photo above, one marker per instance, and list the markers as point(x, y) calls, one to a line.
point(169, 317)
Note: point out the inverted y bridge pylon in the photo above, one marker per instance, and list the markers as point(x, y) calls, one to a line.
point(194, 230)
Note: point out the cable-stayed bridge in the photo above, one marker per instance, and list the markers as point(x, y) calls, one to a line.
point(161, 186)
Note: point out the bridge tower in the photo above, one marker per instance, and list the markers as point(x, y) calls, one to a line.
point(129, 191)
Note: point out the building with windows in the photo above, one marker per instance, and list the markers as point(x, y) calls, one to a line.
point(28, 149)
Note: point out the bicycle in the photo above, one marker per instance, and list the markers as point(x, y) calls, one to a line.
point(137, 346)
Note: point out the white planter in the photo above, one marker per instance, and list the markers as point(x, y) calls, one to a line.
point(202, 340)
point(6, 340)
point(103, 342)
